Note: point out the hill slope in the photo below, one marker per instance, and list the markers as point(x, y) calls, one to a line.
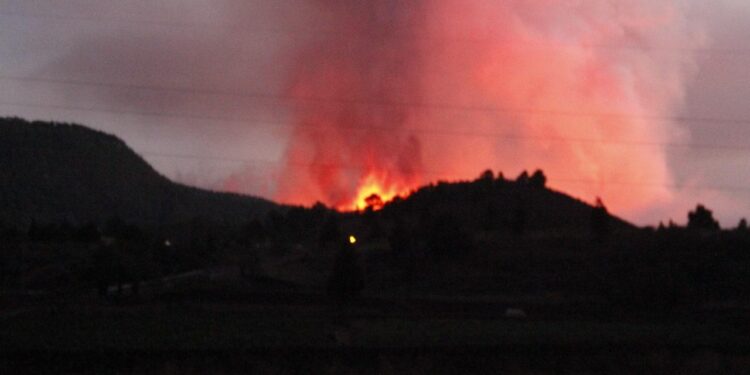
point(53, 172)
point(490, 203)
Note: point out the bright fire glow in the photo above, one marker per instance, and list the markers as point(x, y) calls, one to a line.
point(421, 91)
point(375, 192)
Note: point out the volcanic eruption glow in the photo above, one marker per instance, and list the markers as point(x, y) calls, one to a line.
point(393, 89)
point(375, 191)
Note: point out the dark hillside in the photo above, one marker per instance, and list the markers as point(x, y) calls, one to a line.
point(52, 172)
point(498, 204)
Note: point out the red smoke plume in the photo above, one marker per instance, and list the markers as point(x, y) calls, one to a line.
point(397, 93)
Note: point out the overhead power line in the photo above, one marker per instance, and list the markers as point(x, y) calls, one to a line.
point(437, 175)
point(323, 165)
point(376, 103)
point(426, 131)
point(403, 31)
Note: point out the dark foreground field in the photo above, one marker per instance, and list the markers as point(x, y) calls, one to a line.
point(302, 332)
point(443, 360)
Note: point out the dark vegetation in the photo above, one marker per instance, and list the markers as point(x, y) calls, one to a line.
point(56, 173)
point(96, 243)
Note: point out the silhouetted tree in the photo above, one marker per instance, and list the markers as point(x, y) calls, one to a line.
point(487, 175)
point(538, 179)
point(319, 208)
point(485, 182)
point(661, 227)
point(742, 226)
point(374, 202)
point(523, 178)
point(600, 219)
point(346, 281)
point(702, 219)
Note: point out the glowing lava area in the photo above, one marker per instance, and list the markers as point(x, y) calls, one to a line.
point(399, 94)
point(375, 192)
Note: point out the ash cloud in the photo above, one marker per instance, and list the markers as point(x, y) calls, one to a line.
point(571, 83)
point(363, 74)
point(543, 64)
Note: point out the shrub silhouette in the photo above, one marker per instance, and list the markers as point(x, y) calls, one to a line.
point(702, 219)
point(742, 226)
point(523, 178)
point(600, 219)
point(487, 175)
point(374, 202)
point(538, 179)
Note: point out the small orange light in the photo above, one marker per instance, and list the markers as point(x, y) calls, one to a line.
point(352, 240)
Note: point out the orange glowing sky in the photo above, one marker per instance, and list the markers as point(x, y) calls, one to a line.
point(303, 101)
point(374, 184)
point(442, 98)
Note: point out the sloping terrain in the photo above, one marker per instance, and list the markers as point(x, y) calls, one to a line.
point(52, 172)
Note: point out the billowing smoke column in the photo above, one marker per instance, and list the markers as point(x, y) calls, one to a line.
point(397, 93)
point(353, 116)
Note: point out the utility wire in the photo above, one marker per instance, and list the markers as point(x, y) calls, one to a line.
point(431, 172)
point(307, 33)
point(348, 128)
point(323, 165)
point(434, 106)
point(378, 103)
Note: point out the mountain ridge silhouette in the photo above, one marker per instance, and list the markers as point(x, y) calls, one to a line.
point(53, 172)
